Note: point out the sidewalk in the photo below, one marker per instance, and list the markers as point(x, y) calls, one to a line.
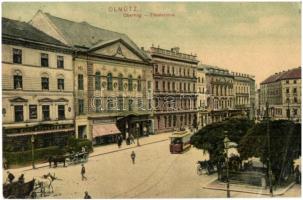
point(217, 185)
point(111, 148)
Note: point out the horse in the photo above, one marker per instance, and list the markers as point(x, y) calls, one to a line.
point(56, 160)
point(45, 181)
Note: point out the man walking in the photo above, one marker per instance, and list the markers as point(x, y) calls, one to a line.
point(83, 173)
point(133, 156)
point(10, 177)
point(87, 196)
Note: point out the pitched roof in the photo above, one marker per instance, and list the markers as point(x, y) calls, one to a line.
point(23, 30)
point(289, 74)
point(82, 34)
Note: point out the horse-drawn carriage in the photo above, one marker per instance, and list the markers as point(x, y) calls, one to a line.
point(17, 190)
point(69, 159)
point(76, 158)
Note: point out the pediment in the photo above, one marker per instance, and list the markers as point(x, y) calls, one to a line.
point(18, 99)
point(45, 100)
point(62, 100)
point(116, 48)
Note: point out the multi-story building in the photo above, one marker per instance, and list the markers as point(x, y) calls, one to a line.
point(37, 87)
point(113, 79)
point(220, 93)
point(282, 91)
point(244, 91)
point(175, 95)
point(201, 98)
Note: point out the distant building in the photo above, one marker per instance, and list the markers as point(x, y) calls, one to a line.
point(175, 97)
point(37, 88)
point(112, 79)
point(282, 91)
point(220, 93)
point(244, 91)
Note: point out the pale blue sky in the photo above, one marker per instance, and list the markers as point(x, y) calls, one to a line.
point(255, 38)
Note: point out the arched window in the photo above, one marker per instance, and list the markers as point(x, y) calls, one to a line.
point(139, 83)
point(120, 82)
point(130, 83)
point(109, 81)
point(97, 81)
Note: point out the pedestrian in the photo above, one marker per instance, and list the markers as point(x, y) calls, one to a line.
point(298, 175)
point(10, 177)
point(21, 179)
point(87, 196)
point(132, 139)
point(133, 156)
point(127, 141)
point(83, 173)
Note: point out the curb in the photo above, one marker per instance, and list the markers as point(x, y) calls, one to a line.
point(252, 192)
point(100, 154)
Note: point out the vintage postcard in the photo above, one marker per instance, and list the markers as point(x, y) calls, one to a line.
point(151, 100)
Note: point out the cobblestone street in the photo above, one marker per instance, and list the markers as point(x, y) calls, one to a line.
point(156, 174)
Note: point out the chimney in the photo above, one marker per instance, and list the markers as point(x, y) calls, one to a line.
point(175, 49)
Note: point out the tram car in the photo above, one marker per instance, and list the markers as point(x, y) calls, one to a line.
point(180, 141)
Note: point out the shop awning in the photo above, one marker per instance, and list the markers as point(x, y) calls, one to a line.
point(105, 129)
point(40, 132)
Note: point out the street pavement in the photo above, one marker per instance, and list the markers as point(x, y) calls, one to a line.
point(156, 174)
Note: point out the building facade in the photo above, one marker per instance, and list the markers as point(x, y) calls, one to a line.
point(244, 91)
point(112, 79)
point(201, 98)
point(175, 97)
point(220, 93)
point(282, 91)
point(37, 88)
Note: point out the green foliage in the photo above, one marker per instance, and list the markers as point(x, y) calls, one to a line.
point(76, 144)
point(285, 144)
point(25, 157)
point(210, 138)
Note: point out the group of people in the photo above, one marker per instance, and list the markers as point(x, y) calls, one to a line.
point(11, 177)
point(129, 140)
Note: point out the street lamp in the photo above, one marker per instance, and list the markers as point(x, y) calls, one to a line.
point(33, 152)
point(268, 146)
point(226, 146)
point(138, 126)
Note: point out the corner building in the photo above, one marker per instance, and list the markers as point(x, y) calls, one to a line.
point(175, 96)
point(112, 79)
point(37, 88)
point(282, 92)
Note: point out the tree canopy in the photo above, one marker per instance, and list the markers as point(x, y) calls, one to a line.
point(285, 144)
point(210, 138)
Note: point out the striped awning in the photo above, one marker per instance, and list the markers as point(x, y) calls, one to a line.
point(105, 129)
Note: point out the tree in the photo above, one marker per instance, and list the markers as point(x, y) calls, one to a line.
point(285, 145)
point(210, 138)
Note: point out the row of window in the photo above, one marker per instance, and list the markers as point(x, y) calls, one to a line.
point(289, 81)
point(44, 59)
point(173, 86)
point(18, 83)
point(295, 100)
point(171, 70)
point(200, 80)
point(171, 120)
point(186, 104)
point(294, 91)
point(114, 105)
point(19, 112)
point(109, 79)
